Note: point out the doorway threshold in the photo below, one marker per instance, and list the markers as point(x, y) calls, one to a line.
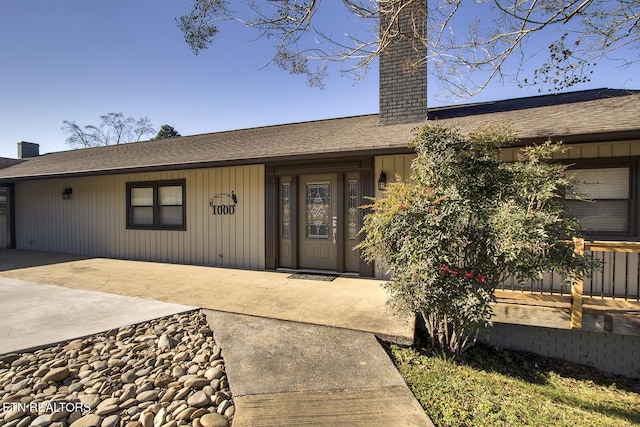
point(310, 271)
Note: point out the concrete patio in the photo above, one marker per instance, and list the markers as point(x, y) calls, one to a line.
point(297, 352)
point(349, 303)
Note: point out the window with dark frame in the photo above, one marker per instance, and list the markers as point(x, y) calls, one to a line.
point(604, 201)
point(156, 205)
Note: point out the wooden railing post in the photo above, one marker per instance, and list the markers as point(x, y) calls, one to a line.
point(577, 288)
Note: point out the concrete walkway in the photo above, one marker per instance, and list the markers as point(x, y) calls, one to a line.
point(36, 315)
point(300, 374)
point(298, 352)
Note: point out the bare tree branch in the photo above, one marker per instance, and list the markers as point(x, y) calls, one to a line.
point(466, 44)
point(114, 129)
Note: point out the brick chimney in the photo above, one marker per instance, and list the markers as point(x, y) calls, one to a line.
point(403, 93)
point(28, 149)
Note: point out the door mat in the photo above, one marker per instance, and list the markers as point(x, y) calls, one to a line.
point(306, 276)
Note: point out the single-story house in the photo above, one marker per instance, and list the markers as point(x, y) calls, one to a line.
point(288, 197)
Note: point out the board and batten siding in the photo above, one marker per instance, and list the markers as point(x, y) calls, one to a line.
point(93, 222)
point(618, 280)
point(393, 166)
point(586, 151)
point(400, 165)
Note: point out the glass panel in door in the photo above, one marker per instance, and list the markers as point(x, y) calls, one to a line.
point(287, 215)
point(318, 210)
point(352, 217)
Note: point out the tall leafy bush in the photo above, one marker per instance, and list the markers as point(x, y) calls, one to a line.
point(463, 222)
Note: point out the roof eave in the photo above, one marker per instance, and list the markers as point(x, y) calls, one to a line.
point(329, 155)
point(583, 138)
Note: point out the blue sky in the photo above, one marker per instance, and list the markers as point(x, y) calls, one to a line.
point(77, 60)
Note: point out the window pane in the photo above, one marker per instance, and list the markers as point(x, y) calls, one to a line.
point(318, 211)
point(286, 212)
point(602, 215)
point(352, 212)
point(171, 215)
point(170, 196)
point(142, 215)
point(605, 183)
point(156, 204)
point(142, 196)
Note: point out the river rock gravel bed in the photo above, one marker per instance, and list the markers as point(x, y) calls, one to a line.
point(163, 373)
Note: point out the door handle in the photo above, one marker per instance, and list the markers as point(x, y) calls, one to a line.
point(335, 228)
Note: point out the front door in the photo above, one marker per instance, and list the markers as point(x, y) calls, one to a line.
point(318, 222)
point(314, 215)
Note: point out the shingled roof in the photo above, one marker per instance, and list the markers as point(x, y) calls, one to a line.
point(581, 115)
point(6, 162)
point(315, 139)
point(573, 117)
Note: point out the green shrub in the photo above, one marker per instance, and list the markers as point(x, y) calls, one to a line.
point(464, 222)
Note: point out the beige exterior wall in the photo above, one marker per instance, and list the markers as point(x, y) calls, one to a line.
point(93, 221)
point(620, 275)
point(393, 166)
point(588, 151)
point(401, 165)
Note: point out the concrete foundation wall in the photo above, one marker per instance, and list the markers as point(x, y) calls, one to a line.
point(616, 354)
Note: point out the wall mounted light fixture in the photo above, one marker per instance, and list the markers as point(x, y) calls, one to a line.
point(382, 181)
point(66, 193)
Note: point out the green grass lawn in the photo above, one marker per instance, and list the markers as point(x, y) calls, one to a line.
point(492, 387)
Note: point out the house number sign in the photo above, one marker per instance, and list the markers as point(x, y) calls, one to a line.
point(223, 204)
